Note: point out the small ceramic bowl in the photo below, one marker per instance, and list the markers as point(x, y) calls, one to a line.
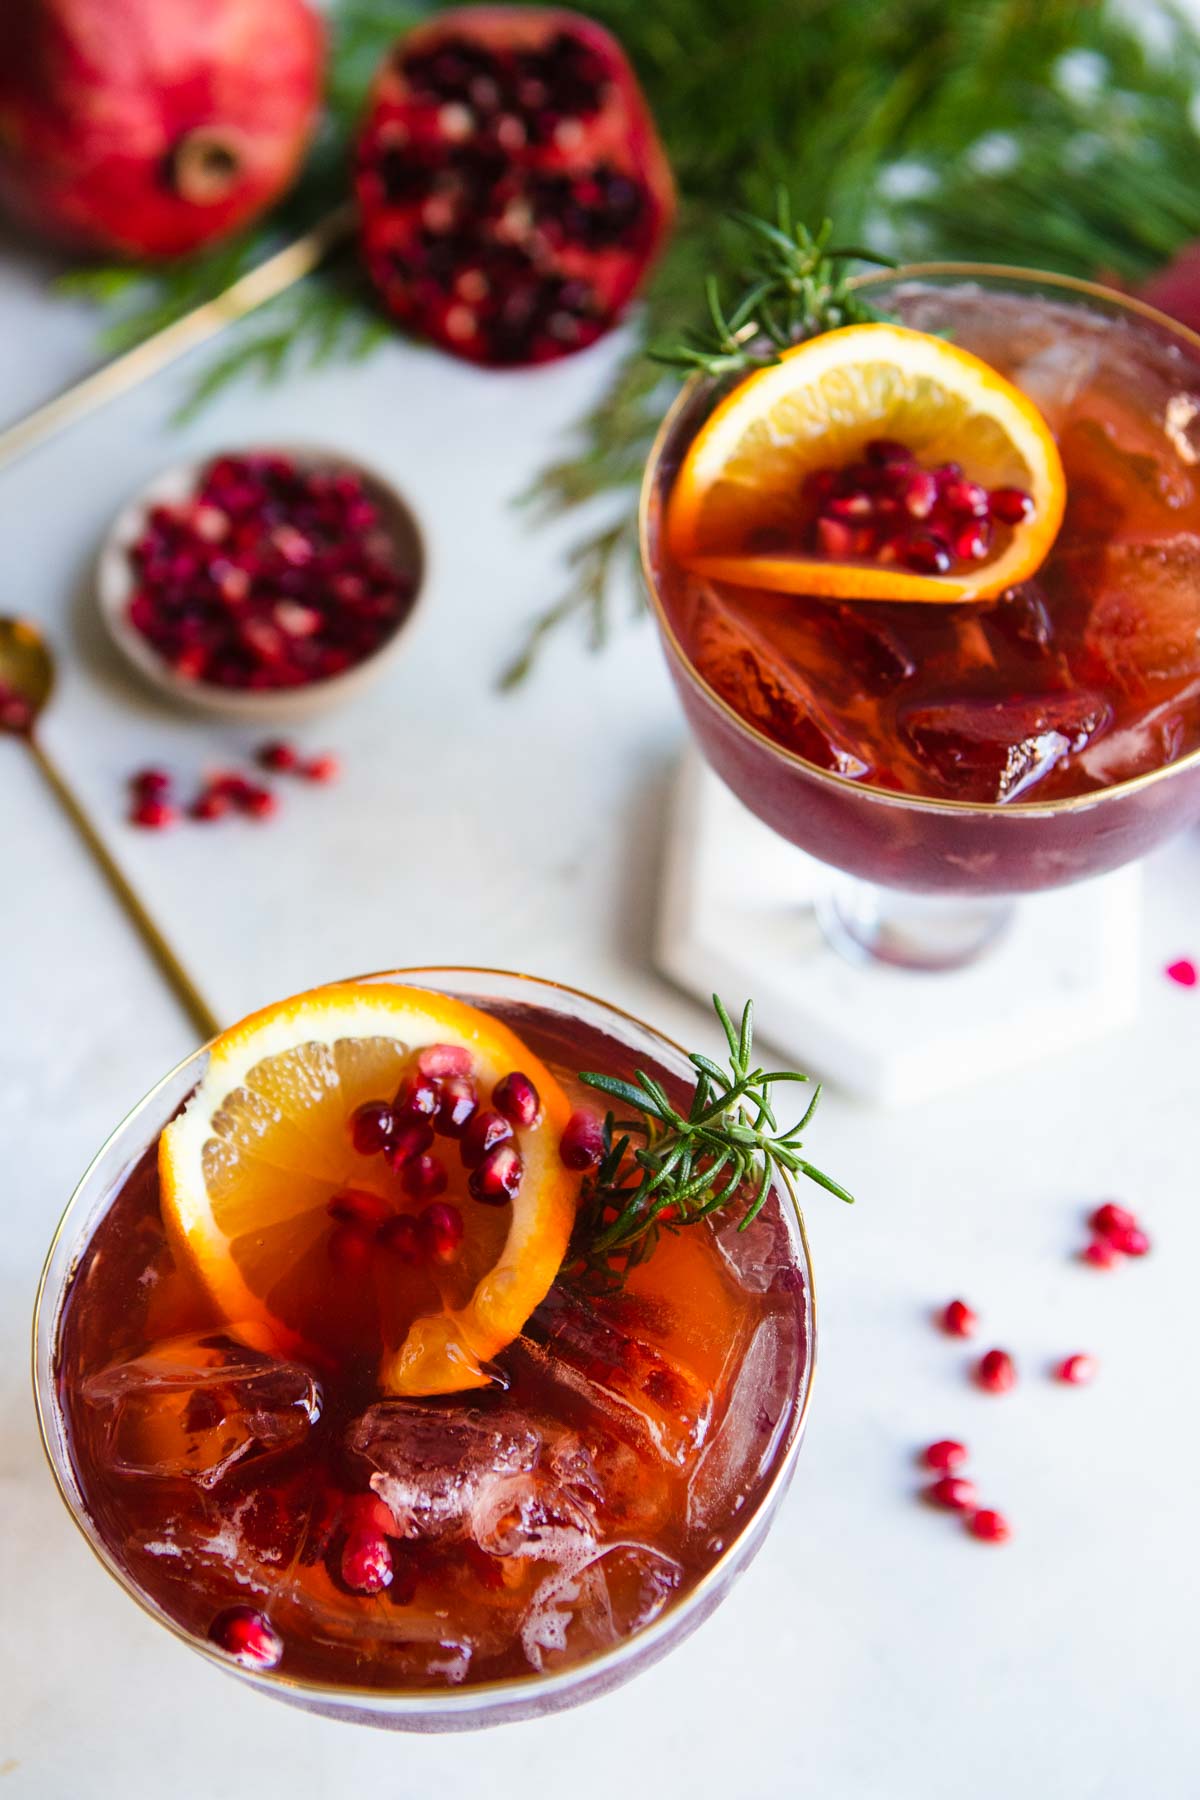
point(115, 581)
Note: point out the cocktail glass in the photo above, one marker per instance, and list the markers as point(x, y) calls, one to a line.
point(563, 1025)
point(929, 883)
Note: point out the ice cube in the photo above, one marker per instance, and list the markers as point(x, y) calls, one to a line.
point(1143, 629)
point(1056, 374)
point(433, 1466)
point(756, 1417)
point(760, 1258)
point(619, 1590)
point(988, 749)
point(766, 688)
point(193, 1407)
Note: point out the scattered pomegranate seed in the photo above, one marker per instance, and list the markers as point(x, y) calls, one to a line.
point(486, 1130)
point(233, 787)
point(150, 784)
point(1132, 1241)
point(1100, 1253)
point(423, 1176)
point(208, 806)
point(1111, 1218)
point(259, 803)
point(946, 1454)
point(278, 755)
point(1078, 1370)
point(1183, 972)
point(953, 1491)
point(246, 1636)
point(996, 1372)
point(356, 1206)
point(958, 1319)
point(440, 1060)
point(322, 769)
point(440, 1229)
point(582, 1142)
point(371, 1127)
point(410, 1138)
point(400, 1236)
point(498, 1176)
point(366, 1563)
point(459, 1102)
point(990, 1527)
point(17, 711)
point(153, 815)
point(349, 1249)
point(517, 1098)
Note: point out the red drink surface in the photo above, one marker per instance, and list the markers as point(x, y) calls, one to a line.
point(627, 1443)
point(1081, 678)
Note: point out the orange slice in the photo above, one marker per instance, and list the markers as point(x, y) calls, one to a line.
point(249, 1168)
point(816, 408)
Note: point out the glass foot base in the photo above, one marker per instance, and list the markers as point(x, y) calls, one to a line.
point(922, 932)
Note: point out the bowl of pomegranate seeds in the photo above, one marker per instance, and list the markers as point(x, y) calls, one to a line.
point(262, 583)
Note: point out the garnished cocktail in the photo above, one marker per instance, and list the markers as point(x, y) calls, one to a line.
point(391, 1377)
point(934, 611)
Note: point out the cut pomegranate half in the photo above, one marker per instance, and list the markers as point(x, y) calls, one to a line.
point(512, 187)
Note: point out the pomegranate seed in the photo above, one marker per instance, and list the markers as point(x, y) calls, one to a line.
point(953, 1491)
point(278, 755)
point(366, 1563)
point(924, 552)
point(459, 1102)
point(882, 451)
point(1111, 1218)
point(260, 803)
point(1130, 1242)
point(368, 1515)
point(973, 541)
point(153, 815)
point(919, 494)
point(989, 1527)
point(946, 1454)
point(1010, 505)
point(996, 1372)
point(958, 1319)
point(357, 1206)
point(150, 784)
point(820, 485)
point(439, 1060)
point(400, 1236)
point(408, 1140)
point(321, 768)
point(208, 805)
point(582, 1143)
point(424, 1176)
point(246, 1636)
point(1078, 1370)
point(440, 1229)
point(417, 1097)
point(966, 497)
point(486, 1130)
point(1099, 1253)
point(849, 508)
point(371, 1127)
point(498, 1176)
point(350, 1249)
point(834, 539)
point(232, 787)
point(517, 1098)
point(1183, 972)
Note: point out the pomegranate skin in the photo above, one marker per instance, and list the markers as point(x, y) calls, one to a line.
point(512, 187)
point(147, 130)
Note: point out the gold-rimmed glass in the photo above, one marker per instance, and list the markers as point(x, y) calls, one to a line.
point(553, 1015)
point(924, 882)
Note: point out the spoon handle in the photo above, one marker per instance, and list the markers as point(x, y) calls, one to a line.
point(186, 991)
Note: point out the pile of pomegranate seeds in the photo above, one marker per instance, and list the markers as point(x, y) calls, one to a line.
point(270, 576)
point(957, 1493)
point(888, 509)
point(152, 801)
point(1116, 1233)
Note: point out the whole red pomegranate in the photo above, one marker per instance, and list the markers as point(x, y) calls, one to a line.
point(1176, 289)
point(512, 186)
point(150, 127)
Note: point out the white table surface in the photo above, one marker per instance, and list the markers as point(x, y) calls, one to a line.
point(873, 1652)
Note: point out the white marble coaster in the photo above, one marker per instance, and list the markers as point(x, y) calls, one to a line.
point(735, 915)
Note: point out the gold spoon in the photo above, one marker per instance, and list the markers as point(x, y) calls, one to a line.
point(26, 681)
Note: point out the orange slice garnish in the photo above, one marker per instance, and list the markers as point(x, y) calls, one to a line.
point(817, 408)
point(249, 1169)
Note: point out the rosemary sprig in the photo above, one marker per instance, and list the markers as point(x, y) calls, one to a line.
point(664, 1169)
point(796, 286)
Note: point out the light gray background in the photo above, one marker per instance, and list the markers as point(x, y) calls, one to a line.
point(873, 1652)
